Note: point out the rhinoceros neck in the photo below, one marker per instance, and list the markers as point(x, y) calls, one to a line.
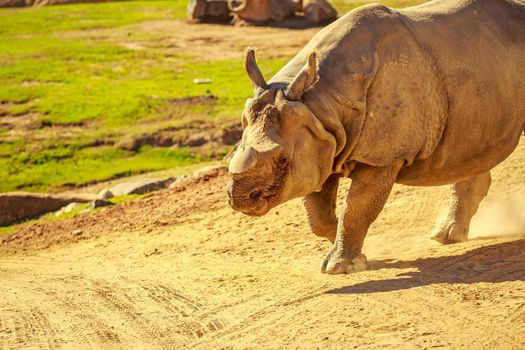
point(330, 112)
point(346, 54)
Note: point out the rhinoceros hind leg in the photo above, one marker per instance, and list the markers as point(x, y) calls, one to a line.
point(466, 196)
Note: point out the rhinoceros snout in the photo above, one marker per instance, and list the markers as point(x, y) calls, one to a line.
point(247, 199)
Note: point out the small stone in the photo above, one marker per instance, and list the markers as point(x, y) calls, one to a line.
point(105, 194)
point(97, 203)
point(155, 251)
point(202, 81)
point(77, 232)
point(180, 182)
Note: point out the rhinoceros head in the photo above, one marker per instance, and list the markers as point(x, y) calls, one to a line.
point(285, 152)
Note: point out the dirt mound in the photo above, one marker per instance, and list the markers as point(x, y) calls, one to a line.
point(15, 206)
point(164, 208)
point(204, 138)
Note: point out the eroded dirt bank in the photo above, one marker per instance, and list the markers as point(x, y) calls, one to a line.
point(182, 270)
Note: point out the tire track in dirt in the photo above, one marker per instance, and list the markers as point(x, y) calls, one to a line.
point(83, 314)
point(93, 311)
point(257, 319)
point(174, 301)
point(27, 328)
point(177, 314)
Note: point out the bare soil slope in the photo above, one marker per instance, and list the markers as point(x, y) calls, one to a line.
point(182, 270)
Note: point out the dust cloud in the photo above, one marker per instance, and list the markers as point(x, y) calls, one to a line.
point(504, 217)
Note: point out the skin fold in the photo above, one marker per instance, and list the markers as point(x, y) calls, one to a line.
point(424, 96)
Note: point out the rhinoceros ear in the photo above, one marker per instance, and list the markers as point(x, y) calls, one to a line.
point(307, 77)
point(253, 70)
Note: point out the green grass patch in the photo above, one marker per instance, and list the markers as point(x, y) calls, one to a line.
point(4, 230)
point(344, 6)
point(69, 66)
point(68, 166)
point(125, 198)
point(49, 19)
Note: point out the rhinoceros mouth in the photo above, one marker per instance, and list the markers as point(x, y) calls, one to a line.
point(262, 202)
point(259, 200)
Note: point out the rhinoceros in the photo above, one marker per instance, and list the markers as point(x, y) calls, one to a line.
point(208, 10)
point(318, 11)
point(424, 96)
point(262, 10)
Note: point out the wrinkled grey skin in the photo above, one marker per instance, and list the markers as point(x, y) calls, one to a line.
point(318, 11)
point(262, 10)
point(424, 96)
point(203, 10)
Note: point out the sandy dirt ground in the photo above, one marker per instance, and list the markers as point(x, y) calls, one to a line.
point(181, 270)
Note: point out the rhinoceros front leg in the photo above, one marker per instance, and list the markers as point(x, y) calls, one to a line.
point(368, 193)
point(320, 209)
point(466, 196)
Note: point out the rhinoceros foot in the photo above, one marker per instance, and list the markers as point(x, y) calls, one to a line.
point(450, 232)
point(335, 265)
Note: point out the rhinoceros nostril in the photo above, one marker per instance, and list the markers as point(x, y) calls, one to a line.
point(255, 195)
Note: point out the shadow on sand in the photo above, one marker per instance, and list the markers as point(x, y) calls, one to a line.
point(503, 262)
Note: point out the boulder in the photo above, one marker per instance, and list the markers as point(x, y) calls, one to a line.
point(68, 208)
point(16, 206)
point(209, 10)
point(140, 186)
point(105, 194)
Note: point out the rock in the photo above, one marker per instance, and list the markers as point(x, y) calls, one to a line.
point(68, 208)
point(181, 182)
point(76, 232)
point(209, 10)
point(97, 203)
point(140, 186)
point(209, 172)
point(105, 194)
point(16, 206)
point(151, 252)
point(203, 81)
point(203, 174)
